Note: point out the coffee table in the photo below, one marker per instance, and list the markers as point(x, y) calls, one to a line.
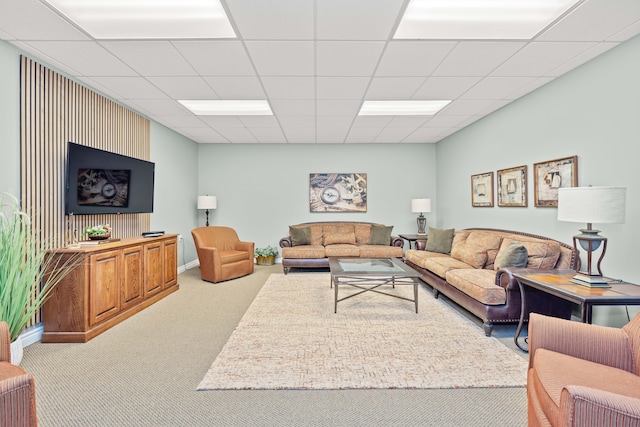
point(559, 284)
point(370, 274)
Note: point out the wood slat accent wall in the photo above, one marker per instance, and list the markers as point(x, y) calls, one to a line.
point(55, 110)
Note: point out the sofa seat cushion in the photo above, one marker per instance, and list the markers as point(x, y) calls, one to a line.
point(476, 248)
point(441, 265)
point(419, 257)
point(479, 284)
point(380, 251)
point(553, 371)
point(304, 252)
point(228, 257)
point(341, 250)
point(542, 254)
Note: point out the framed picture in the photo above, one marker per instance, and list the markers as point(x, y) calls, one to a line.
point(338, 192)
point(551, 175)
point(482, 190)
point(512, 186)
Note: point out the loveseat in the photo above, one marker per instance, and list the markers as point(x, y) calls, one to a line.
point(473, 267)
point(309, 245)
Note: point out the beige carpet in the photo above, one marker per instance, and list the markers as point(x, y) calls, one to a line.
point(290, 338)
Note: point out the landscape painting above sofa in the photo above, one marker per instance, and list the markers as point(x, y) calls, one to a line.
point(338, 192)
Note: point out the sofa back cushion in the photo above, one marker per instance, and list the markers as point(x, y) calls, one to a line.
point(339, 233)
point(473, 247)
point(363, 233)
point(542, 254)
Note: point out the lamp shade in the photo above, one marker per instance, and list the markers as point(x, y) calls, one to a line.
point(420, 205)
point(597, 205)
point(207, 202)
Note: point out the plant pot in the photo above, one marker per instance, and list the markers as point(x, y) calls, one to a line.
point(17, 350)
point(266, 260)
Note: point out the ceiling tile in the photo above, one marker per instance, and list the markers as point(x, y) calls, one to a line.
point(386, 88)
point(341, 87)
point(357, 19)
point(372, 121)
point(424, 135)
point(268, 134)
point(283, 58)
point(293, 107)
point(333, 107)
point(497, 87)
point(390, 134)
point(409, 122)
point(538, 59)
point(580, 59)
point(217, 57)
point(476, 58)
point(159, 107)
point(222, 121)
point(289, 87)
point(412, 58)
point(151, 58)
point(238, 135)
point(184, 87)
point(248, 87)
point(273, 19)
point(443, 121)
point(347, 58)
point(131, 87)
point(205, 135)
point(467, 107)
point(594, 20)
point(33, 20)
point(85, 58)
point(445, 87)
point(259, 121)
point(297, 122)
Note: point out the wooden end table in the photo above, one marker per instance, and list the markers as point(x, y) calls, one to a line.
point(413, 237)
point(558, 283)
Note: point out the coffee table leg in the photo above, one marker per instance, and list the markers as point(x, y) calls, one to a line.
point(415, 295)
point(335, 299)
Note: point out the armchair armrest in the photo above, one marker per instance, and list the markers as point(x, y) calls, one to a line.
point(246, 246)
point(581, 406)
point(5, 343)
point(598, 344)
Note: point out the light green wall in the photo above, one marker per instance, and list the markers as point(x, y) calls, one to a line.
point(592, 112)
point(9, 118)
point(263, 188)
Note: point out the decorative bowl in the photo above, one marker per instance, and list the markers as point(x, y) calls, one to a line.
point(103, 236)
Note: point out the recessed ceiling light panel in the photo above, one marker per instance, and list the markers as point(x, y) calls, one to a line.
point(479, 19)
point(147, 19)
point(402, 108)
point(225, 107)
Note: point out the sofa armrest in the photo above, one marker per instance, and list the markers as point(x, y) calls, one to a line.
point(598, 344)
point(580, 406)
point(396, 241)
point(285, 242)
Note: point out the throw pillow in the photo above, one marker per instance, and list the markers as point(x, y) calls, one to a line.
point(513, 255)
point(381, 234)
point(345, 237)
point(440, 240)
point(300, 236)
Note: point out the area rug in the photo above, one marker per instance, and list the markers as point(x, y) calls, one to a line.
point(290, 338)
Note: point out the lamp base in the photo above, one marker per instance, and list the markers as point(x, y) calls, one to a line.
point(590, 281)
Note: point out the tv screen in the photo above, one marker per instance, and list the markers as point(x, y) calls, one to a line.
point(101, 182)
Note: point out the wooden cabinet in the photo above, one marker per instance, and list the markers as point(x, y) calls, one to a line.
point(114, 281)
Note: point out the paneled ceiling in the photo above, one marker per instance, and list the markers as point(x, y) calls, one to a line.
point(316, 61)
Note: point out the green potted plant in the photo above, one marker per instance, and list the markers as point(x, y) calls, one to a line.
point(266, 256)
point(27, 274)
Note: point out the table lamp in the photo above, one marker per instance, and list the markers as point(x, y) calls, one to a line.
point(207, 202)
point(421, 205)
point(599, 205)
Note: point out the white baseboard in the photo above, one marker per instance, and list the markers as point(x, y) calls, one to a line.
point(32, 334)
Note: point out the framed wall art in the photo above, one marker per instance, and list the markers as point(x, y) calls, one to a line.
point(482, 190)
point(512, 186)
point(551, 175)
point(338, 192)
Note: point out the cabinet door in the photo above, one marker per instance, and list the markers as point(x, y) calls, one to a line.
point(170, 263)
point(153, 267)
point(133, 277)
point(105, 285)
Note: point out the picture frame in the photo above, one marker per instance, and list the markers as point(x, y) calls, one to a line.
point(482, 190)
point(338, 192)
point(551, 175)
point(512, 187)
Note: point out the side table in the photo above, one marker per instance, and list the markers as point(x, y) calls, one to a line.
point(558, 283)
point(413, 237)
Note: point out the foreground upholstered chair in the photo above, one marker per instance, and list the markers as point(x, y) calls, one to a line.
point(17, 388)
point(221, 254)
point(583, 375)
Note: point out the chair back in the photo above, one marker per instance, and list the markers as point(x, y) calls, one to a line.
point(223, 238)
point(633, 330)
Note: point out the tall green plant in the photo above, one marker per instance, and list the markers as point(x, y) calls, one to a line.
point(27, 274)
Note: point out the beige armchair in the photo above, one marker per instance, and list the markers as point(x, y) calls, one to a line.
point(583, 375)
point(221, 254)
point(17, 388)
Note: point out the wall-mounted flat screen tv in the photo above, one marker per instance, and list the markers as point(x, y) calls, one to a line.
point(102, 182)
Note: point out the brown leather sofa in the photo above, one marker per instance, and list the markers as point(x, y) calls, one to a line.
point(467, 275)
point(221, 254)
point(583, 375)
point(337, 239)
point(17, 388)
